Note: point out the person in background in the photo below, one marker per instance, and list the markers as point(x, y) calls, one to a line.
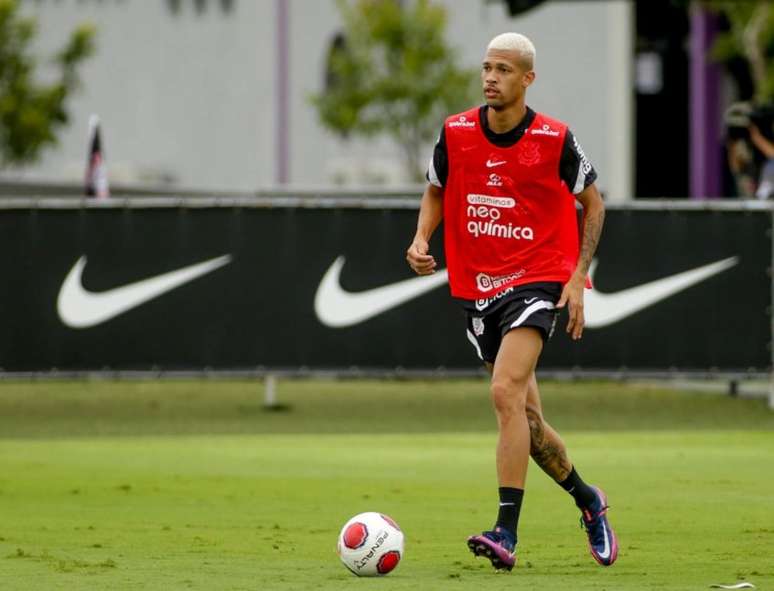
point(750, 148)
point(765, 189)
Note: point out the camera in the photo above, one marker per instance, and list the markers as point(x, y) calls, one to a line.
point(739, 116)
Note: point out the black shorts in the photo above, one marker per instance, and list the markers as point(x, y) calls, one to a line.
point(533, 304)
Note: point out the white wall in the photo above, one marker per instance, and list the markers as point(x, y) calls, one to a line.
point(193, 96)
point(187, 96)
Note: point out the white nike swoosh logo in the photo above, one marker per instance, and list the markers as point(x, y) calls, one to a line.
point(490, 164)
point(529, 301)
point(603, 309)
point(606, 553)
point(338, 308)
point(80, 308)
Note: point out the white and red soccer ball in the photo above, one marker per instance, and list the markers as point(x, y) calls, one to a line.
point(370, 544)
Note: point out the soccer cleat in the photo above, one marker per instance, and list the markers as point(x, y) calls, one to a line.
point(603, 543)
point(497, 545)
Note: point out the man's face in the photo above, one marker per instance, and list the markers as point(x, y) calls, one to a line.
point(505, 78)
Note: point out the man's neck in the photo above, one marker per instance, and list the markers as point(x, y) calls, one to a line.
point(504, 120)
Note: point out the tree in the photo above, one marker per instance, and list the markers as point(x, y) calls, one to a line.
point(751, 36)
point(392, 72)
point(31, 112)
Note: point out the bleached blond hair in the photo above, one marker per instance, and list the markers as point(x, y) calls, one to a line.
point(518, 43)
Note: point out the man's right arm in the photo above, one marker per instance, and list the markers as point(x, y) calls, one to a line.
point(430, 210)
point(430, 215)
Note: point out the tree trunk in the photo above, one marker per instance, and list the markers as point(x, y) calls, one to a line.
point(412, 145)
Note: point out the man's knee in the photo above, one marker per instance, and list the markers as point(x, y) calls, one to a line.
point(509, 395)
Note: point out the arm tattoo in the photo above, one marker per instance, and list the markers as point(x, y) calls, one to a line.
point(592, 228)
point(550, 455)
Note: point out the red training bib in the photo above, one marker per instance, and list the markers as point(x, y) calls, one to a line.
point(508, 217)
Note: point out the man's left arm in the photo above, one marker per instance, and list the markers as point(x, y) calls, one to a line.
point(572, 294)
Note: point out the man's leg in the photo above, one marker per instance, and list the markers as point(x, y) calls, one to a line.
point(548, 449)
point(549, 452)
point(514, 366)
point(515, 363)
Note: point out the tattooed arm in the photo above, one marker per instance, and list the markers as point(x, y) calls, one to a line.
point(593, 218)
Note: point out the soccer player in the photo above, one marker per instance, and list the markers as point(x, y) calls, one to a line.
point(505, 180)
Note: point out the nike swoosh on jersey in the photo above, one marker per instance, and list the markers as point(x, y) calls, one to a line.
point(338, 308)
point(81, 308)
point(490, 164)
point(604, 309)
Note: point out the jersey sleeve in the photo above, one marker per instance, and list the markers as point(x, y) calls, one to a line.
point(438, 168)
point(574, 168)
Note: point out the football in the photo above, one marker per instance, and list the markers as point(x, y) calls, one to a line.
point(370, 544)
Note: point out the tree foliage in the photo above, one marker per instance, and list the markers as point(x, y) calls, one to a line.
point(751, 36)
point(392, 72)
point(31, 112)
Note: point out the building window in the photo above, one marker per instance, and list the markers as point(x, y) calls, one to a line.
point(201, 6)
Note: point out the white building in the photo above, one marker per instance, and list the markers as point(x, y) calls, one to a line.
point(191, 93)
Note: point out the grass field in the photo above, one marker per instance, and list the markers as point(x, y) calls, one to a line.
point(192, 485)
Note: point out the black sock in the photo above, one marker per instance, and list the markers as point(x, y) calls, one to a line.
point(583, 494)
point(510, 507)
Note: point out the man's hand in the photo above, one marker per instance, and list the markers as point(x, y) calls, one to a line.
point(418, 259)
point(573, 294)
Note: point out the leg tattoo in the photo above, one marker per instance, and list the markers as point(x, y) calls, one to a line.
point(547, 448)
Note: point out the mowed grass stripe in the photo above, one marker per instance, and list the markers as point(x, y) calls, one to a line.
point(78, 409)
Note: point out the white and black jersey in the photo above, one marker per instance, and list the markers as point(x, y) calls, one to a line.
point(574, 168)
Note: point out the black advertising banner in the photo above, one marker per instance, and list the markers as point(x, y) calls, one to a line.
point(177, 288)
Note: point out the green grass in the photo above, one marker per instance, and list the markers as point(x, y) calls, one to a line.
point(98, 408)
point(191, 485)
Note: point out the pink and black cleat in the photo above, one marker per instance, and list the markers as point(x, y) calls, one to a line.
point(497, 545)
point(603, 542)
